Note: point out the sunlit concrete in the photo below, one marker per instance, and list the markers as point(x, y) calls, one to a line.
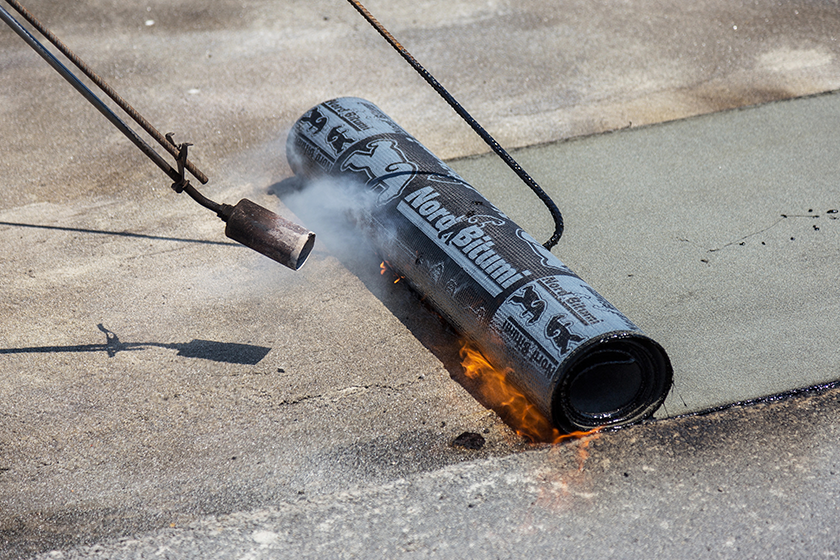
point(160, 384)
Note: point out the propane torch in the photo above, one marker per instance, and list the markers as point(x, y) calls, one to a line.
point(247, 222)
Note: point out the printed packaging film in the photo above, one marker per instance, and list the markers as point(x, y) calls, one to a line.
point(573, 354)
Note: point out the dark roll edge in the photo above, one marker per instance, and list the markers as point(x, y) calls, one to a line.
point(606, 356)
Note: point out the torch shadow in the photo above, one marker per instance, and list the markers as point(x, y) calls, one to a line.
point(341, 238)
point(225, 352)
point(117, 233)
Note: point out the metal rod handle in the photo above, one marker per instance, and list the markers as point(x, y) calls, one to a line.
point(458, 108)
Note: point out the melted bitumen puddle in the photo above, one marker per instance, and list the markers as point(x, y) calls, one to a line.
point(469, 440)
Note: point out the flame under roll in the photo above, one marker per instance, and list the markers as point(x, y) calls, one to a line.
point(575, 356)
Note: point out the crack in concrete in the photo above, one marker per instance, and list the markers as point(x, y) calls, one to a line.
point(336, 395)
point(753, 234)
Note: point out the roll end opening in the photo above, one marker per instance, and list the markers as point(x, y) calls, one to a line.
point(615, 380)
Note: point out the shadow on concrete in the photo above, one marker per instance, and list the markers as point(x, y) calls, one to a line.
point(226, 352)
point(120, 234)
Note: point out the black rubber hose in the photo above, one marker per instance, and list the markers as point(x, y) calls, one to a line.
point(488, 139)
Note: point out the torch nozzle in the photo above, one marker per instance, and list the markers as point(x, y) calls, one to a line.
point(259, 229)
point(268, 233)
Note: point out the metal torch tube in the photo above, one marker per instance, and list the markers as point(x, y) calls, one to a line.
point(265, 232)
point(578, 359)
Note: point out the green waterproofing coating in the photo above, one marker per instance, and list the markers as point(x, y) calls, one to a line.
point(572, 353)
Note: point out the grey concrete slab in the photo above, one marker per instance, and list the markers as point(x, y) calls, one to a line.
point(719, 235)
point(232, 76)
point(226, 382)
point(152, 373)
point(757, 482)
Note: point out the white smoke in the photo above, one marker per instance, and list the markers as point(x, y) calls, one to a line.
point(338, 210)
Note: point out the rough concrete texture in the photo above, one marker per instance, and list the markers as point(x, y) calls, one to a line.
point(231, 77)
point(757, 482)
point(153, 373)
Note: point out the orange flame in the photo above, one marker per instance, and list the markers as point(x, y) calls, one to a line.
point(385, 266)
point(512, 405)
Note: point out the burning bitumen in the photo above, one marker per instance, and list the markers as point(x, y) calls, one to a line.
point(566, 350)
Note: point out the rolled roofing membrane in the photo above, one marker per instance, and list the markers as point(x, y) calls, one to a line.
point(574, 355)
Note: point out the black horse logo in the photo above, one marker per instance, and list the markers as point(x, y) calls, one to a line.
point(315, 120)
point(382, 159)
point(559, 333)
point(531, 303)
point(337, 139)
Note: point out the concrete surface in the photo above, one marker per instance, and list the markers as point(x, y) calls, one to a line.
point(719, 235)
point(758, 482)
point(154, 374)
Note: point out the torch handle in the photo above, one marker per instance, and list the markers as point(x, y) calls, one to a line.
point(250, 224)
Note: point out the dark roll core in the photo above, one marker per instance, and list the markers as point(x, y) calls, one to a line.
point(614, 380)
